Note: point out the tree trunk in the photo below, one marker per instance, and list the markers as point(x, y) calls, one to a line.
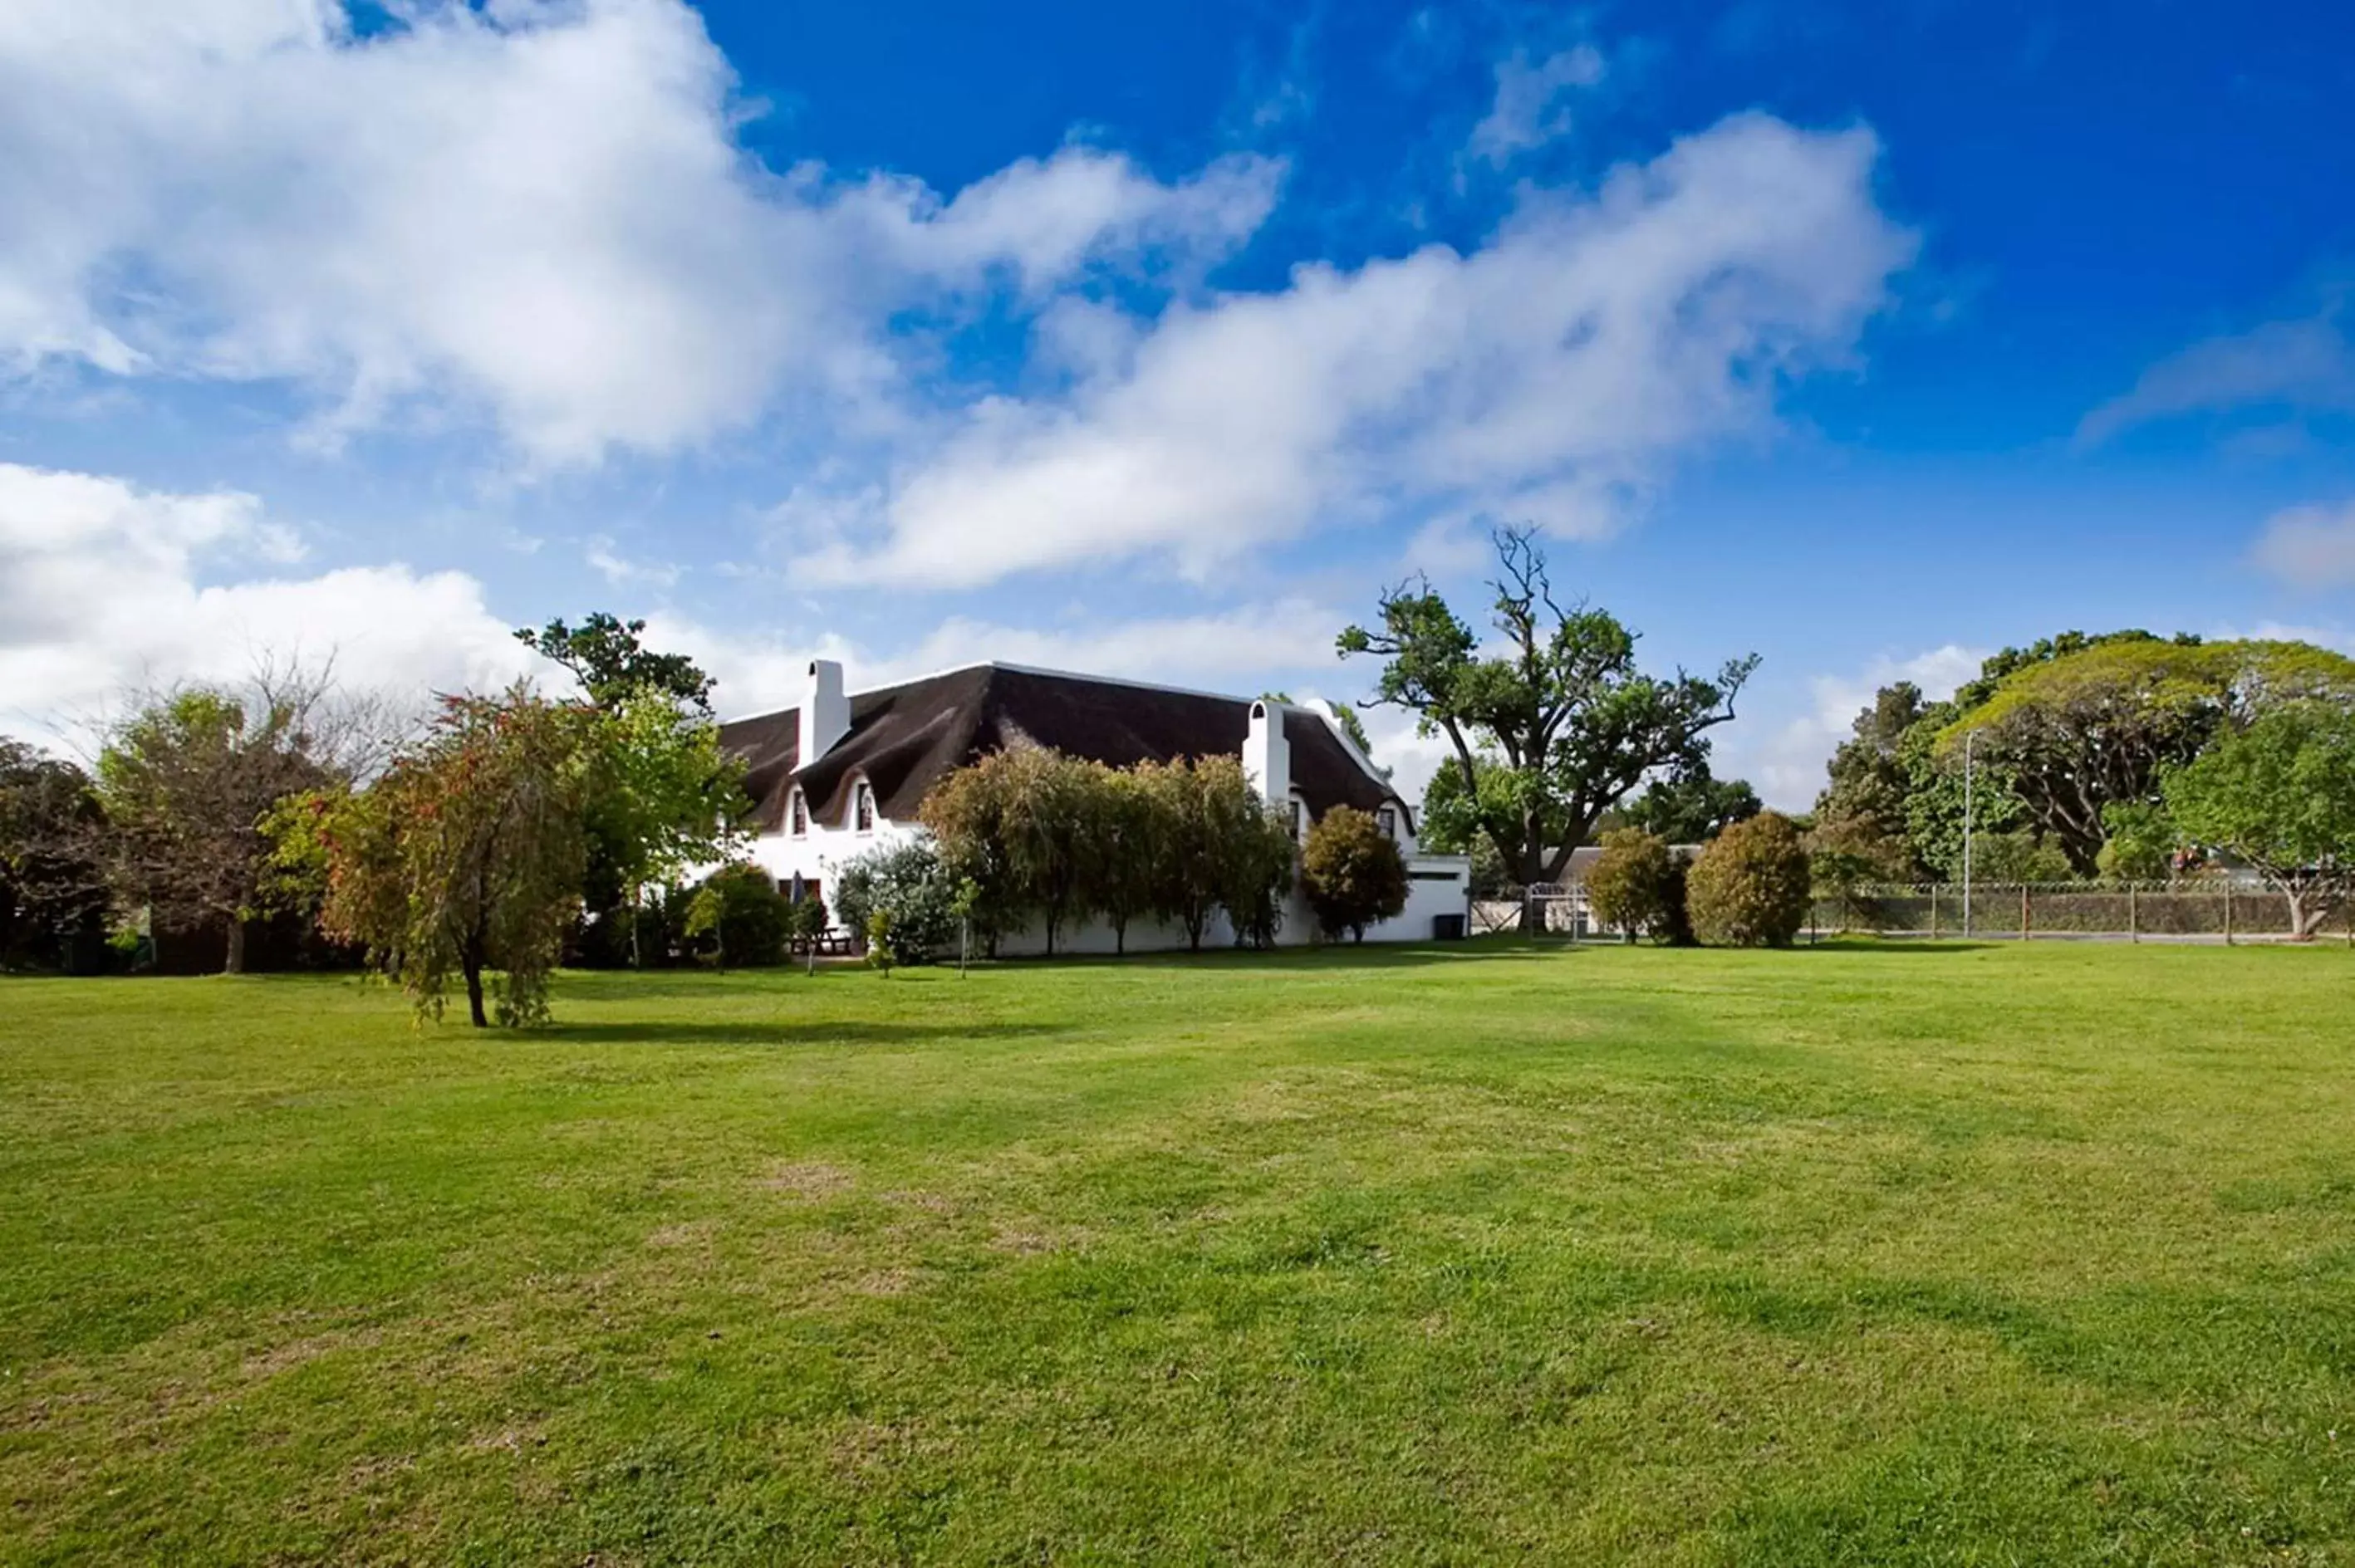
point(235, 963)
point(473, 964)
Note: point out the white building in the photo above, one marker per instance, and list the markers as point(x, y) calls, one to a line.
point(845, 772)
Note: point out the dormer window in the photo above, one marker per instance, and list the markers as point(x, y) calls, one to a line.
point(797, 814)
point(1387, 820)
point(862, 807)
point(1299, 819)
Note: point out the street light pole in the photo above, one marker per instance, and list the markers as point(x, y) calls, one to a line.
point(1968, 816)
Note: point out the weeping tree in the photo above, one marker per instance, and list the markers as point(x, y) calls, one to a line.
point(464, 860)
point(1553, 729)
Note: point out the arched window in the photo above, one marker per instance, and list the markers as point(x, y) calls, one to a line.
point(862, 807)
point(797, 814)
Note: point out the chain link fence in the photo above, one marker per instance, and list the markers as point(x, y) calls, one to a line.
point(2195, 909)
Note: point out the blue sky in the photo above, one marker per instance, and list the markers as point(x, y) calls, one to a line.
point(1155, 341)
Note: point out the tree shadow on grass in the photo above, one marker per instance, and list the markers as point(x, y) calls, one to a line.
point(1340, 956)
point(1927, 945)
point(753, 1032)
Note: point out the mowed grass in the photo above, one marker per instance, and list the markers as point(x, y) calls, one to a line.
point(1991, 1255)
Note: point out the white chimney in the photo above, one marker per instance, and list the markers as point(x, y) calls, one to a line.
point(1267, 755)
point(826, 711)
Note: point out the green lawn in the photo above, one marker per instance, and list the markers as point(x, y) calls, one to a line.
point(2037, 1256)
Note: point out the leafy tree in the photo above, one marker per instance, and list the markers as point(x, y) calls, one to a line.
point(2018, 856)
point(2077, 734)
point(1352, 873)
point(1751, 887)
point(673, 799)
point(1051, 832)
point(1637, 885)
point(467, 856)
point(1214, 844)
point(1129, 850)
point(1689, 807)
point(53, 885)
point(2280, 795)
point(1554, 730)
point(965, 814)
point(1861, 832)
point(1261, 867)
point(2141, 846)
point(909, 886)
point(185, 782)
point(612, 665)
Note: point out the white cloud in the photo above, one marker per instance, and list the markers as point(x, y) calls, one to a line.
point(1548, 376)
point(620, 570)
point(1788, 767)
point(536, 210)
point(99, 592)
point(2310, 547)
point(2306, 365)
point(1525, 112)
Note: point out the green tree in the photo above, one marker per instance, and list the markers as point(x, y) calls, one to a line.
point(185, 782)
point(1352, 872)
point(1128, 851)
point(1752, 886)
point(1554, 730)
point(2141, 846)
point(612, 665)
point(1214, 840)
point(53, 883)
point(2076, 735)
point(2280, 796)
point(965, 814)
point(1637, 885)
point(465, 858)
point(1048, 819)
point(1689, 807)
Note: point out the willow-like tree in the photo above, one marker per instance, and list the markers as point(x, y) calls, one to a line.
point(1556, 727)
point(464, 860)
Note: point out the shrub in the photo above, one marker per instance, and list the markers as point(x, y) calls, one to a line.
point(1638, 886)
point(1749, 887)
point(908, 884)
point(1354, 874)
point(738, 916)
point(2018, 857)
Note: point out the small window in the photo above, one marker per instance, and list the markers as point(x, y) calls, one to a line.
point(798, 811)
point(1387, 820)
point(1299, 820)
point(862, 810)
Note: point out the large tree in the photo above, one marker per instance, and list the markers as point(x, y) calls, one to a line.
point(1352, 873)
point(2074, 736)
point(1554, 729)
point(674, 799)
point(53, 884)
point(186, 781)
point(2280, 795)
point(465, 858)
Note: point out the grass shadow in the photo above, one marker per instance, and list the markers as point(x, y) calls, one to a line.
point(752, 1032)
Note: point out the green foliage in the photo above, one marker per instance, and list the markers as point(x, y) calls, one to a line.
point(186, 784)
point(740, 918)
point(1352, 872)
point(2098, 726)
point(605, 655)
point(2141, 843)
point(880, 953)
point(1553, 731)
point(53, 884)
point(467, 856)
point(1751, 887)
point(1637, 885)
point(1690, 807)
point(914, 893)
point(2018, 856)
point(1218, 846)
point(2280, 795)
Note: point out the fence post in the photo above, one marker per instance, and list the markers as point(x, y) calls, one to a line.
point(2228, 911)
point(2134, 927)
point(2023, 912)
point(1933, 917)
